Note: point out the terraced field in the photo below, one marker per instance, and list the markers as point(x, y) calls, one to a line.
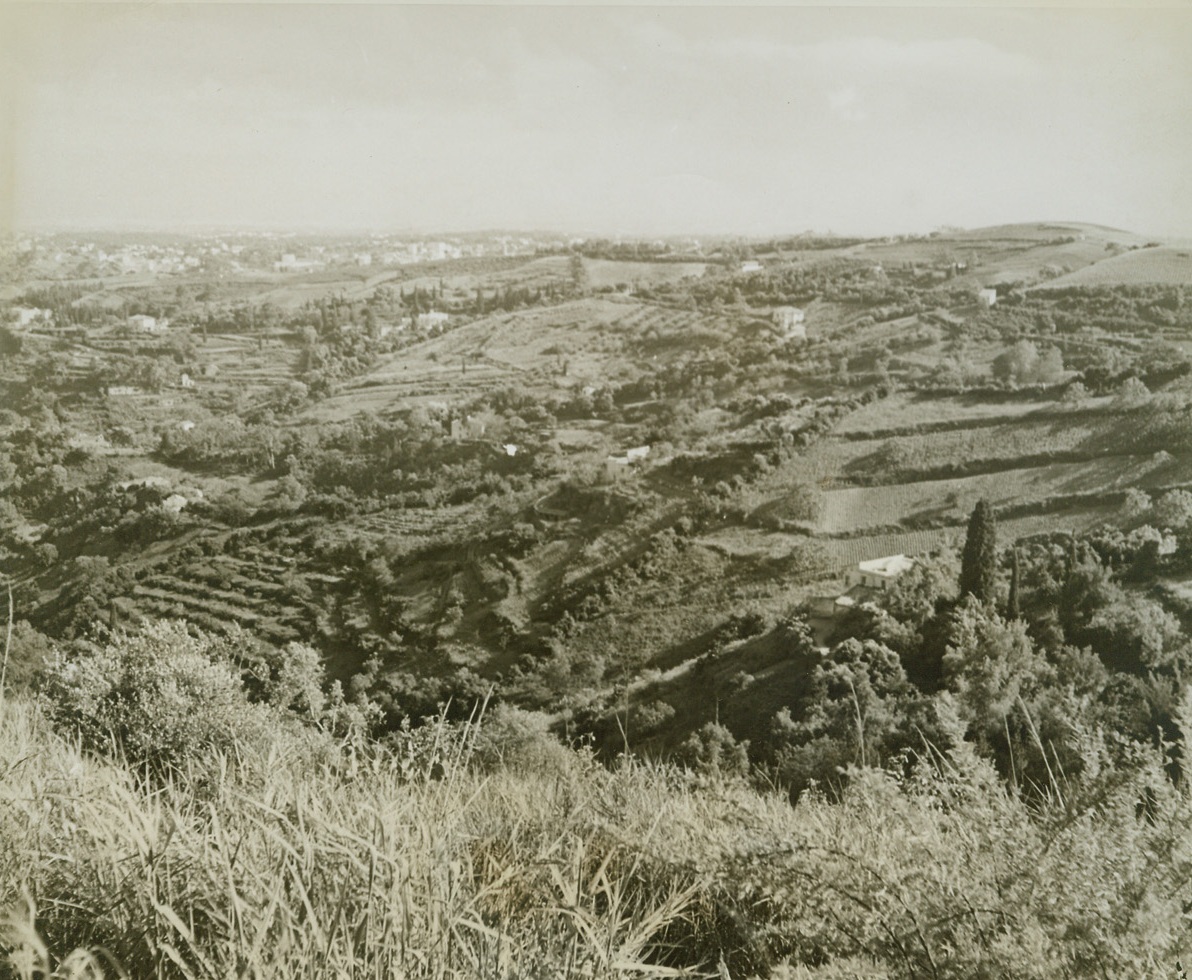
point(906, 410)
point(856, 508)
point(243, 364)
point(223, 592)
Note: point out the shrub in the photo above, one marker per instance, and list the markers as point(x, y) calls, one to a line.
point(1131, 393)
point(652, 716)
point(1174, 509)
point(743, 625)
point(157, 696)
point(514, 738)
point(714, 751)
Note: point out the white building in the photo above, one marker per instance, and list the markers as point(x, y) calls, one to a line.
point(751, 265)
point(31, 314)
point(426, 321)
point(146, 324)
point(879, 573)
point(986, 297)
point(789, 320)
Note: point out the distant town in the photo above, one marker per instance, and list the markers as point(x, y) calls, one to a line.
point(81, 255)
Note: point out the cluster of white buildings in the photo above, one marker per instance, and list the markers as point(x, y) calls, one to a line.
point(243, 251)
point(90, 258)
point(386, 251)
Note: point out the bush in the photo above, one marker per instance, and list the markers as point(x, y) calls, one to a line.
point(158, 696)
point(742, 625)
point(513, 738)
point(714, 751)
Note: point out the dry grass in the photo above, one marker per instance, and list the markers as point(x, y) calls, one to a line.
point(415, 863)
point(404, 864)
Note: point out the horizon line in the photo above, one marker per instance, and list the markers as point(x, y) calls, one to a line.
point(347, 231)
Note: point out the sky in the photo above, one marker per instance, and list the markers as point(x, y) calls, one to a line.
point(602, 120)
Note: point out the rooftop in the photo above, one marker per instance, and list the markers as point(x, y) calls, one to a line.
point(890, 566)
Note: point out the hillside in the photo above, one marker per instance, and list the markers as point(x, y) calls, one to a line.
point(281, 528)
point(414, 468)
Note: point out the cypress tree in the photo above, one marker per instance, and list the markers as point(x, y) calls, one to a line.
point(1012, 610)
point(978, 564)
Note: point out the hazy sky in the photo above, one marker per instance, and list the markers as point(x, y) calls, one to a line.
point(599, 119)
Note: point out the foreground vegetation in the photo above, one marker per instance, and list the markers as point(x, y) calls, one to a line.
point(439, 856)
point(182, 804)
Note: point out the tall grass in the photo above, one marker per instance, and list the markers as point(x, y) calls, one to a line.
point(414, 862)
point(379, 866)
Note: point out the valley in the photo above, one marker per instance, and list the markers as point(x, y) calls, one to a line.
point(422, 471)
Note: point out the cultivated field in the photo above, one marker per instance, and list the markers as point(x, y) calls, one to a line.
point(590, 342)
point(846, 510)
point(603, 272)
point(1165, 264)
point(905, 410)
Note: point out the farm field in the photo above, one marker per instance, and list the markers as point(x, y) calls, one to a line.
point(290, 291)
point(1170, 265)
point(525, 348)
point(605, 272)
point(1007, 253)
point(844, 553)
point(880, 459)
point(592, 342)
point(906, 410)
point(846, 510)
point(1040, 262)
point(840, 553)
